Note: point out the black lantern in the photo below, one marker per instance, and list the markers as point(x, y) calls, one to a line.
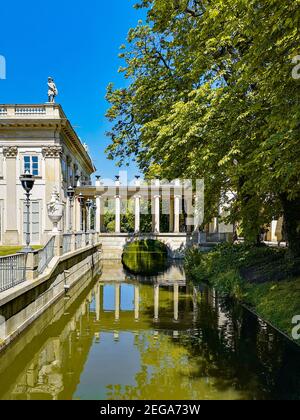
point(70, 192)
point(27, 181)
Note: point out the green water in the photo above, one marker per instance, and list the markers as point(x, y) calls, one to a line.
point(119, 337)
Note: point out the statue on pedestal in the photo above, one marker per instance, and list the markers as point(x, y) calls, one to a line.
point(52, 90)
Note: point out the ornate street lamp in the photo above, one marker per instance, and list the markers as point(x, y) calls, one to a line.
point(70, 194)
point(81, 203)
point(27, 181)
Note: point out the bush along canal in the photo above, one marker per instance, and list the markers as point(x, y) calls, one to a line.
point(264, 279)
point(114, 337)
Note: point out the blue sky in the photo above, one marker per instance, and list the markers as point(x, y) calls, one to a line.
point(77, 43)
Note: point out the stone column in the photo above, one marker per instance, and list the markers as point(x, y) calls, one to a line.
point(98, 214)
point(177, 200)
point(171, 216)
point(77, 215)
point(177, 205)
point(156, 227)
point(11, 236)
point(156, 302)
point(53, 175)
point(136, 301)
point(215, 225)
point(137, 210)
point(118, 214)
point(117, 301)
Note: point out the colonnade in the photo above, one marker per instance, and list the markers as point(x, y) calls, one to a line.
point(100, 193)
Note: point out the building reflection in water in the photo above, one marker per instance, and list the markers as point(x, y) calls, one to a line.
point(165, 311)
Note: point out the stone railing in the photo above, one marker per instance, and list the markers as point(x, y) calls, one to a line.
point(217, 237)
point(15, 269)
point(12, 271)
point(67, 242)
point(78, 240)
point(34, 111)
point(45, 255)
point(23, 110)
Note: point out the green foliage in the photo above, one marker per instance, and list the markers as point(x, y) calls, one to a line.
point(210, 95)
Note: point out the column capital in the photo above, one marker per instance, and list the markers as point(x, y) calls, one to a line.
point(52, 151)
point(10, 152)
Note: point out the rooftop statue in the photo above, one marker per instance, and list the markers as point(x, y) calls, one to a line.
point(52, 90)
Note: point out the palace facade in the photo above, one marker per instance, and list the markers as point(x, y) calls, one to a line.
point(41, 140)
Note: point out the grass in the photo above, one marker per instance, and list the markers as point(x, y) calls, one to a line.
point(276, 302)
point(10, 250)
point(260, 277)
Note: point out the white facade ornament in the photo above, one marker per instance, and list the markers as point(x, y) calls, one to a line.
point(55, 211)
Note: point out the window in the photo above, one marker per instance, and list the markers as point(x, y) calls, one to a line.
point(31, 165)
point(34, 222)
point(71, 178)
point(64, 169)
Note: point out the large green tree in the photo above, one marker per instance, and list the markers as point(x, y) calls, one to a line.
point(211, 95)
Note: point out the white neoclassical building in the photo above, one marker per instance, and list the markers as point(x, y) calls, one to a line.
point(41, 140)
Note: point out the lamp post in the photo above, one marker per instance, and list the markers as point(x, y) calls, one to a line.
point(27, 181)
point(81, 203)
point(70, 194)
point(89, 205)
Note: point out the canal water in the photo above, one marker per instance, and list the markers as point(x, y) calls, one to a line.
point(123, 337)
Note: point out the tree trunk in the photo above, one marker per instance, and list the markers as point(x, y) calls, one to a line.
point(291, 211)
